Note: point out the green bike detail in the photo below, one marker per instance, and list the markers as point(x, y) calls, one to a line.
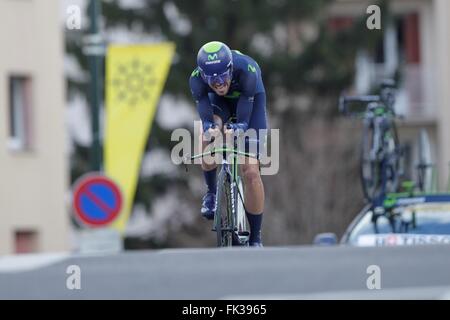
point(233, 95)
point(380, 111)
point(389, 202)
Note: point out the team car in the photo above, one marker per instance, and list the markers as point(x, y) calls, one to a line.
point(400, 220)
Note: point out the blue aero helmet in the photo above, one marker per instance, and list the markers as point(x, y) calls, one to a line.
point(215, 63)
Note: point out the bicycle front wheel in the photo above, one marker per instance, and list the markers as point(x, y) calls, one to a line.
point(223, 221)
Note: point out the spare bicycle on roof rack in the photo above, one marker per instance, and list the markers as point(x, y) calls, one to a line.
point(381, 165)
point(398, 211)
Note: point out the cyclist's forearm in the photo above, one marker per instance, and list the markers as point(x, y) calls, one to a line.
point(205, 112)
point(243, 113)
point(239, 126)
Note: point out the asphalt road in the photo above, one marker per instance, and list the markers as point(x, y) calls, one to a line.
point(269, 273)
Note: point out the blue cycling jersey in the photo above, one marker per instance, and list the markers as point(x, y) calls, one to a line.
point(245, 84)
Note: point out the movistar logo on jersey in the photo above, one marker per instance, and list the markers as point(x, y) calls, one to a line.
point(195, 73)
point(251, 68)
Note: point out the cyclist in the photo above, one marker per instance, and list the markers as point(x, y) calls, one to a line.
point(227, 84)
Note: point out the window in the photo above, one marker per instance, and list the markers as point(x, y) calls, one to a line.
point(411, 38)
point(26, 241)
point(20, 113)
point(401, 39)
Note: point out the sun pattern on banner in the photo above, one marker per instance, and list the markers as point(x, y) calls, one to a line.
point(133, 82)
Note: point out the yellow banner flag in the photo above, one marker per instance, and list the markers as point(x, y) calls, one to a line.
point(135, 76)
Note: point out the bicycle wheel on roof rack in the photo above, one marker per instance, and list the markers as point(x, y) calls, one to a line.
point(425, 164)
point(223, 221)
point(392, 157)
point(370, 166)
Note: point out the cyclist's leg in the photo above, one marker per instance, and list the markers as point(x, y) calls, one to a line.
point(208, 162)
point(254, 200)
point(253, 185)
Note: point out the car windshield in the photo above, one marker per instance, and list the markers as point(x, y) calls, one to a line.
point(417, 219)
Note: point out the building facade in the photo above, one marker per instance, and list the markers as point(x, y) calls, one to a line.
point(33, 163)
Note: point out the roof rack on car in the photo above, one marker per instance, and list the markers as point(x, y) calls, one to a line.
point(393, 200)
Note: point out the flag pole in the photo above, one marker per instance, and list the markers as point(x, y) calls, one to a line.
point(95, 51)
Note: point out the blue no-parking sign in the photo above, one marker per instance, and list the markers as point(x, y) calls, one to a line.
point(97, 200)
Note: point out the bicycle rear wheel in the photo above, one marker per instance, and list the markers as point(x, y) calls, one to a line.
point(223, 220)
